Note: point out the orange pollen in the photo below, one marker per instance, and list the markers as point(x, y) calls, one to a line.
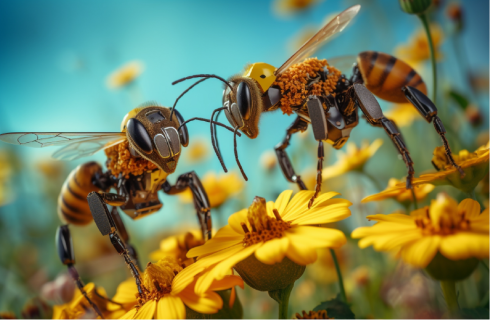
point(444, 227)
point(320, 314)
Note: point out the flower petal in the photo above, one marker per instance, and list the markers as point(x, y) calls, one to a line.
point(420, 253)
point(214, 245)
point(170, 307)
point(283, 200)
point(316, 237)
point(126, 291)
point(464, 245)
point(131, 314)
point(147, 311)
point(470, 207)
point(273, 251)
point(301, 255)
point(321, 203)
point(390, 241)
point(235, 220)
point(207, 303)
point(226, 283)
point(337, 211)
point(298, 202)
point(394, 217)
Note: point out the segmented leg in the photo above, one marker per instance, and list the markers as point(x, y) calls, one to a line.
point(121, 229)
point(319, 169)
point(283, 158)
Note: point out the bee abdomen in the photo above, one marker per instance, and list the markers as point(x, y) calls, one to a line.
point(72, 203)
point(385, 75)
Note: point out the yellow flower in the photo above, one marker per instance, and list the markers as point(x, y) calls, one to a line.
point(219, 188)
point(169, 290)
point(354, 159)
point(197, 151)
point(125, 75)
point(403, 114)
point(268, 160)
point(178, 246)
point(397, 189)
point(270, 243)
point(79, 307)
point(457, 232)
point(289, 7)
point(5, 174)
point(417, 49)
point(474, 165)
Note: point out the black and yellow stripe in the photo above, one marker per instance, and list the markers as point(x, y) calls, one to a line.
point(385, 75)
point(72, 203)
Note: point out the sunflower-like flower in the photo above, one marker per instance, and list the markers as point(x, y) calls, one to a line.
point(417, 49)
point(447, 238)
point(178, 246)
point(474, 165)
point(397, 189)
point(169, 292)
point(290, 7)
point(354, 159)
point(125, 75)
point(218, 188)
point(270, 243)
point(79, 307)
point(403, 114)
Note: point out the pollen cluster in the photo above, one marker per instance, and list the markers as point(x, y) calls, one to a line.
point(293, 83)
point(264, 227)
point(158, 278)
point(119, 160)
point(440, 158)
point(446, 220)
point(321, 314)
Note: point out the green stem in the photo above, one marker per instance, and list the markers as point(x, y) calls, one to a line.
point(485, 265)
point(414, 199)
point(373, 180)
point(282, 297)
point(339, 275)
point(423, 18)
point(449, 290)
point(473, 195)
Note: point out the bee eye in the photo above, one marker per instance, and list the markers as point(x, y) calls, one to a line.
point(140, 136)
point(244, 100)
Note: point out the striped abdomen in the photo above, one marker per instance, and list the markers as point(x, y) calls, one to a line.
point(72, 203)
point(385, 75)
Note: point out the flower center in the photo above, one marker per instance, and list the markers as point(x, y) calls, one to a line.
point(158, 278)
point(264, 227)
point(320, 314)
point(440, 160)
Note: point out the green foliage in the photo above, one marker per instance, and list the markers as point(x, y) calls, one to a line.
point(336, 308)
point(475, 313)
point(415, 6)
point(461, 100)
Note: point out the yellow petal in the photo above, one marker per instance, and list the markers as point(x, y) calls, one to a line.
point(334, 213)
point(470, 207)
point(147, 311)
point(390, 241)
point(131, 314)
point(321, 204)
point(226, 283)
point(316, 237)
point(272, 251)
point(214, 245)
point(381, 228)
point(225, 232)
point(207, 303)
point(283, 200)
point(170, 307)
point(126, 292)
point(235, 220)
point(420, 253)
point(394, 217)
point(464, 245)
point(480, 223)
point(298, 202)
point(301, 254)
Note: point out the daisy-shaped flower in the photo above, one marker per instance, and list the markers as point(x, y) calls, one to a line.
point(417, 49)
point(270, 243)
point(177, 246)
point(354, 159)
point(447, 238)
point(169, 292)
point(397, 189)
point(474, 165)
point(125, 75)
point(219, 188)
point(79, 307)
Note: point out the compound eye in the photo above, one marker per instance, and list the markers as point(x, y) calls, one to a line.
point(244, 100)
point(183, 133)
point(140, 136)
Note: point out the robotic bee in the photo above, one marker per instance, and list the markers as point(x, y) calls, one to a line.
point(140, 158)
point(322, 96)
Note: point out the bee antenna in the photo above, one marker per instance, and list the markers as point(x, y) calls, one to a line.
point(207, 76)
point(213, 139)
point(207, 120)
point(183, 93)
point(236, 154)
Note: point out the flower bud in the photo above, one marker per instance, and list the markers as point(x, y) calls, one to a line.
point(441, 268)
point(415, 6)
point(265, 277)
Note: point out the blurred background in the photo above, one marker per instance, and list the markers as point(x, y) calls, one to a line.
point(55, 63)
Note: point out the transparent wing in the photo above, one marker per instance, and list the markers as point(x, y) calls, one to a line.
point(75, 144)
point(343, 63)
point(336, 25)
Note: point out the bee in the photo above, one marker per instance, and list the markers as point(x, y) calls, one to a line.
point(139, 160)
point(321, 96)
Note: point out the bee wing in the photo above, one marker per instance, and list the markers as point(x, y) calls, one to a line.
point(336, 25)
point(75, 144)
point(343, 63)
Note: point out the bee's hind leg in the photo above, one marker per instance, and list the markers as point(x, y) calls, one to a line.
point(121, 229)
point(429, 111)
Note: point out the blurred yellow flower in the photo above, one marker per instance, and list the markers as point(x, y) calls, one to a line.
point(354, 159)
point(218, 188)
point(5, 174)
point(197, 151)
point(169, 289)
point(79, 307)
point(268, 160)
point(474, 165)
point(457, 232)
point(417, 49)
point(289, 7)
point(403, 114)
point(177, 246)
point(125, 75)
point(323, 270)
point(400, 193)
point(269, 243)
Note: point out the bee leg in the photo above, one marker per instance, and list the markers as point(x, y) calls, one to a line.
point(121, 229)
point(104, 221)
point(64, 244)
point(319, 169)
point(429, 111)
point(371, 109)
point(201, 201)
point(287, 168)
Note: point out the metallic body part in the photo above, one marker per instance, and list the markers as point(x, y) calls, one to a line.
point(263, 73)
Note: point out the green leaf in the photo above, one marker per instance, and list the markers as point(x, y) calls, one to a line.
point(336, 308)
point(475, 313)
point(461, 100)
